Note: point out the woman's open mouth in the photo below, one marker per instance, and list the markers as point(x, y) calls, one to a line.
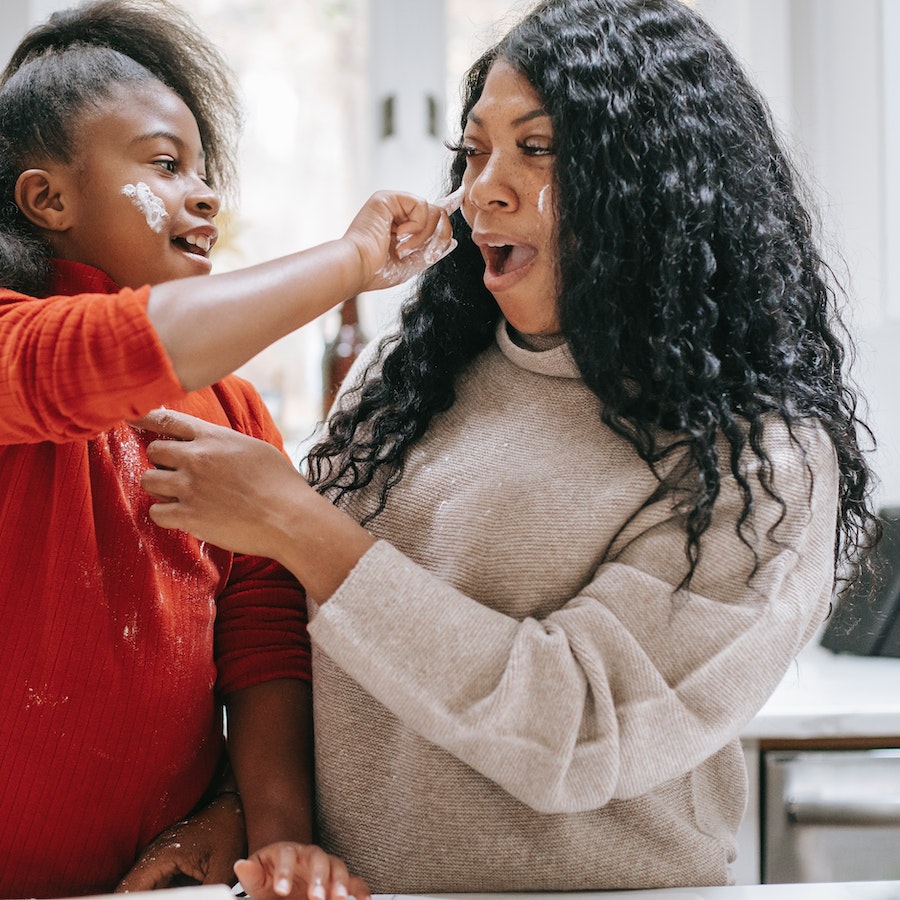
point(506, 264)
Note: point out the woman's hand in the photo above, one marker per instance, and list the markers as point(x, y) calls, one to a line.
point(243, 495)
point(217, 484)
point(200, 850)
point(298, 871)
point(398, 236)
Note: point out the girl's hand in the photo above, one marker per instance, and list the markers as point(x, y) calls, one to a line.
point(398, 236)
point(298, 871)
point(199, 850)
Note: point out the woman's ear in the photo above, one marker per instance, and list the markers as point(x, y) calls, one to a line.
point(39, 195)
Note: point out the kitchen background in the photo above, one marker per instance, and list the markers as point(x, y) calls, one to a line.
point(320, 78)
point(345, 96)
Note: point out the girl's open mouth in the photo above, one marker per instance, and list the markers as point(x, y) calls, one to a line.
point(198, 244)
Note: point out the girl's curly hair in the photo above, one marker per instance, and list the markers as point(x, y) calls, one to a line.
point(72, 63)
point(691, 290)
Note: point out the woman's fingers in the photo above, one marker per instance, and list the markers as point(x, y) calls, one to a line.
point(170, 423)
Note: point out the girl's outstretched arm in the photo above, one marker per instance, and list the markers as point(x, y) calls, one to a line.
point(211, 325)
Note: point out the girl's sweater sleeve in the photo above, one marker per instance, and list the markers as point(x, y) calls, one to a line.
point(70, 367)
point(570, 712)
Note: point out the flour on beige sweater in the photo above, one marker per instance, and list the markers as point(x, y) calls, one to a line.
point(509, 695)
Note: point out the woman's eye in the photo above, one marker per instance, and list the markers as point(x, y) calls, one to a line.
point(170, 165)
point(463, 148)
point(537, 149)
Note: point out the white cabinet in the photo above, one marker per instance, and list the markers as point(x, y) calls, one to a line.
point(825, 702)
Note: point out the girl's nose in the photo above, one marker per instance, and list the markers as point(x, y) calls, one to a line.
point(204, 198)
point(491, 186)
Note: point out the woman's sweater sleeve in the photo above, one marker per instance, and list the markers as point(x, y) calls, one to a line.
point(570, 712)
point(70, 367)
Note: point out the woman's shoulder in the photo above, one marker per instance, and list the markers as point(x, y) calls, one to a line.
point(800, 445)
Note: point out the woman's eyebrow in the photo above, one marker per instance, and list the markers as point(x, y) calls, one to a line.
point(521, 120)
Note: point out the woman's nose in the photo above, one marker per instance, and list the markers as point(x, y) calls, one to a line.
point(492, 187)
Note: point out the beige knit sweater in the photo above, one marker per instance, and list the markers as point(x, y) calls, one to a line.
point(509, 696)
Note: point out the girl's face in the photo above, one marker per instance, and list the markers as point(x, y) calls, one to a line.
point(141, 210)
point(508, 141)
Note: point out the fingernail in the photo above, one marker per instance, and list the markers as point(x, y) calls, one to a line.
point(283, 887)
point(318, 889)
point(452, 202)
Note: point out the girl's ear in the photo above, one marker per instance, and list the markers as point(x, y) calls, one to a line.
point(40, 197)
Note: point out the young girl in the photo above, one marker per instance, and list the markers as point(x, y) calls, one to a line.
point(121, 639)
point(588, 502)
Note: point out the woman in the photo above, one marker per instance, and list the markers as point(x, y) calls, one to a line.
point(588, 502)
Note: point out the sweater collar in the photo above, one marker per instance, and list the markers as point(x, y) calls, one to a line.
point(68, 278)
point(556, 362)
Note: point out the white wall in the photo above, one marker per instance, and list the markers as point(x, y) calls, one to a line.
point(834, 90)
point(17, 16)
point(407, 52)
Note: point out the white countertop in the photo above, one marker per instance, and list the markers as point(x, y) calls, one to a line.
point(856, 890)
point(827, 695)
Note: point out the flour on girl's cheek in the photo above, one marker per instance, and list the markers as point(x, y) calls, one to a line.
point(148, 203)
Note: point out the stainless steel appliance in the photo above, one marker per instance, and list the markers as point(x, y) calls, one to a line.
point(831, 815)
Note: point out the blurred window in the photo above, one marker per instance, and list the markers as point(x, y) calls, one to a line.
point(305, 165)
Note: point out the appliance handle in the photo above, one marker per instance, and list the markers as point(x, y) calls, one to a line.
point(883, 811)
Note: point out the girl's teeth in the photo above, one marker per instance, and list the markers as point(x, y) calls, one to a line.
point(199, 240)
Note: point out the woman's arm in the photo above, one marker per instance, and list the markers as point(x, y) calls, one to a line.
point(244, 495)
point(566, 712)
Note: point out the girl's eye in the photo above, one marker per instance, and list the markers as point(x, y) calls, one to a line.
point(170, 165)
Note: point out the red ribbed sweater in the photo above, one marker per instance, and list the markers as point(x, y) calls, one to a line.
point(119, 638)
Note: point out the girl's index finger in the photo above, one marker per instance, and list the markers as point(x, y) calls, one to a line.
point(452, 202)
point(448, 205)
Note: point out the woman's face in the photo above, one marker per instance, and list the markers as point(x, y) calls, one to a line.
point(508, 142)
point(141, 208)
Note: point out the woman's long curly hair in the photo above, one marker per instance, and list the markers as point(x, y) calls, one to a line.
point(73, 63)
point(691, 290)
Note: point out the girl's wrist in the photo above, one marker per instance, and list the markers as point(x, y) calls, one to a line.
point(354, 267)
